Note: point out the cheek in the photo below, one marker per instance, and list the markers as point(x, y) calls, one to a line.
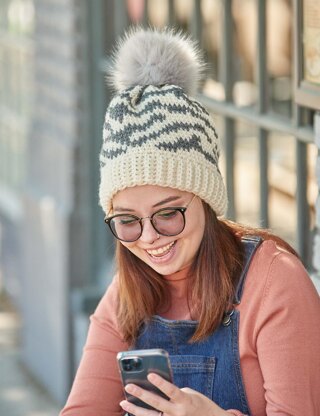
point(198, 236)
point(126, 245)
point(134, 249)
point(195, 229)
point(129, 246)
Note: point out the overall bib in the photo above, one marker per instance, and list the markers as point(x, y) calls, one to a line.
point(212, 366)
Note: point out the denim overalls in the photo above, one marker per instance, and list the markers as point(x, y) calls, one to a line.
point(211, 367)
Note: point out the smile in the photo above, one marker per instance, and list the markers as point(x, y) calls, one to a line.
point(159, 252)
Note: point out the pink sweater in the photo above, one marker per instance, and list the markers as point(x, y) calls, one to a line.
point(279, 343)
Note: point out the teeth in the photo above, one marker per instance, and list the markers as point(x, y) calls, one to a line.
point(160, 250)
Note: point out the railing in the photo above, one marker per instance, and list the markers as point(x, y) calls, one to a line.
point(272, 119)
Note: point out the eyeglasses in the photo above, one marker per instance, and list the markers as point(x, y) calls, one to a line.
point(167, 221)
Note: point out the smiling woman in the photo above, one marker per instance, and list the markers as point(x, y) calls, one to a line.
point(166, 245)
point(233, 306)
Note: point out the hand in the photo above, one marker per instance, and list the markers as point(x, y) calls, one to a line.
point(183, 402)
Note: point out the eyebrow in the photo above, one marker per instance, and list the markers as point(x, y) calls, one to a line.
point(158, 204)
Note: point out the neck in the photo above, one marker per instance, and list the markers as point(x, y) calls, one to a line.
point(179, 275)
point(177, 284)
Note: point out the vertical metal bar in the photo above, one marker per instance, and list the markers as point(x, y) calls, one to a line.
point(87, 205)
point(262, 106)
point(261, 72)
point(298, 32)
point(121, 20)
point(303, 220)
point(102, 37)
point(229, 131)
point(303, 213)
point(145, 19)
point(196, 23)
point(171, 16)
point(226, 76)
point(263, 172)
point(226, 73)
point(304, 246)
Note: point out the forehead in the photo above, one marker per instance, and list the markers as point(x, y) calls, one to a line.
point(146, 196)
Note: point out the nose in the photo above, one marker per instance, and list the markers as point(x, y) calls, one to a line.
point(149, 234)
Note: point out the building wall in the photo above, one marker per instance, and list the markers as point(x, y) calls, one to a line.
point(54, 200)
point(16, 99)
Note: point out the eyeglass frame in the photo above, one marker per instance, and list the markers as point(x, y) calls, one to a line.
point(107, 220)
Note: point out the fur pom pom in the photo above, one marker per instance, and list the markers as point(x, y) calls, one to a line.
point(156, 57)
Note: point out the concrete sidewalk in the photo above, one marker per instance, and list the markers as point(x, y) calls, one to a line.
point(20, 395)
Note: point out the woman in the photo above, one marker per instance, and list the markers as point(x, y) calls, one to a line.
point(233, 306)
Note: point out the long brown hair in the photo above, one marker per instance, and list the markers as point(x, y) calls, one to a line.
point(212, 279)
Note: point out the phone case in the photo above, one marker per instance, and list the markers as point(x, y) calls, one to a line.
point(135, 365)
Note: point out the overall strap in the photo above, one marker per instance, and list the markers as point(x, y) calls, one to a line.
point(250, 245)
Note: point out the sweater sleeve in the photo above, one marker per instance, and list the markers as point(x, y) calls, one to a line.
point(97, 388)
point(280, 336)
point(287, 339)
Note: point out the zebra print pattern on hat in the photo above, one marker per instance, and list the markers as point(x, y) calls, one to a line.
point(157, 135)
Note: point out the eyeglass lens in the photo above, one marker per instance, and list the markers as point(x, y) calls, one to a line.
point(167, 222)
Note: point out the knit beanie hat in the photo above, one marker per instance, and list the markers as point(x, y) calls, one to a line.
point(155, 133)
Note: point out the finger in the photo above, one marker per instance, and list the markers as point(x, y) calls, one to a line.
point(169, 389)
point(136, 410)
point(148, 397)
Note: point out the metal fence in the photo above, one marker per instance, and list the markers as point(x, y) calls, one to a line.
point(268, 150)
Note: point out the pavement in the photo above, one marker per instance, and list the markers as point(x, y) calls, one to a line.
point(20, 394)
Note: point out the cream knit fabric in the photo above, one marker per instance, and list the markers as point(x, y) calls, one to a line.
point(157, 135)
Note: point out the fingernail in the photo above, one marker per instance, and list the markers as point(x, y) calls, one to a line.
point(152, 377)
point(129, 388)
point(124, 404)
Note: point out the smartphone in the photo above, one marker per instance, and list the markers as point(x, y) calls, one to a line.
point(135, 365)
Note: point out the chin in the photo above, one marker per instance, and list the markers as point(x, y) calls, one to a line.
point(165, 269)
point(168, 269)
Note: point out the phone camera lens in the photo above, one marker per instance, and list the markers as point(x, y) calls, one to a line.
point(132, 364)
point(136, 364)
point(126, 365)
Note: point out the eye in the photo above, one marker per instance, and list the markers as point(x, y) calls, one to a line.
point(126, 220)
point(166, 214)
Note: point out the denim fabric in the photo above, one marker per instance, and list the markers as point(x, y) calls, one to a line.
point(212, 366)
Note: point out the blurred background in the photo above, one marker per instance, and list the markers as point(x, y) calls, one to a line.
point(56, 257)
